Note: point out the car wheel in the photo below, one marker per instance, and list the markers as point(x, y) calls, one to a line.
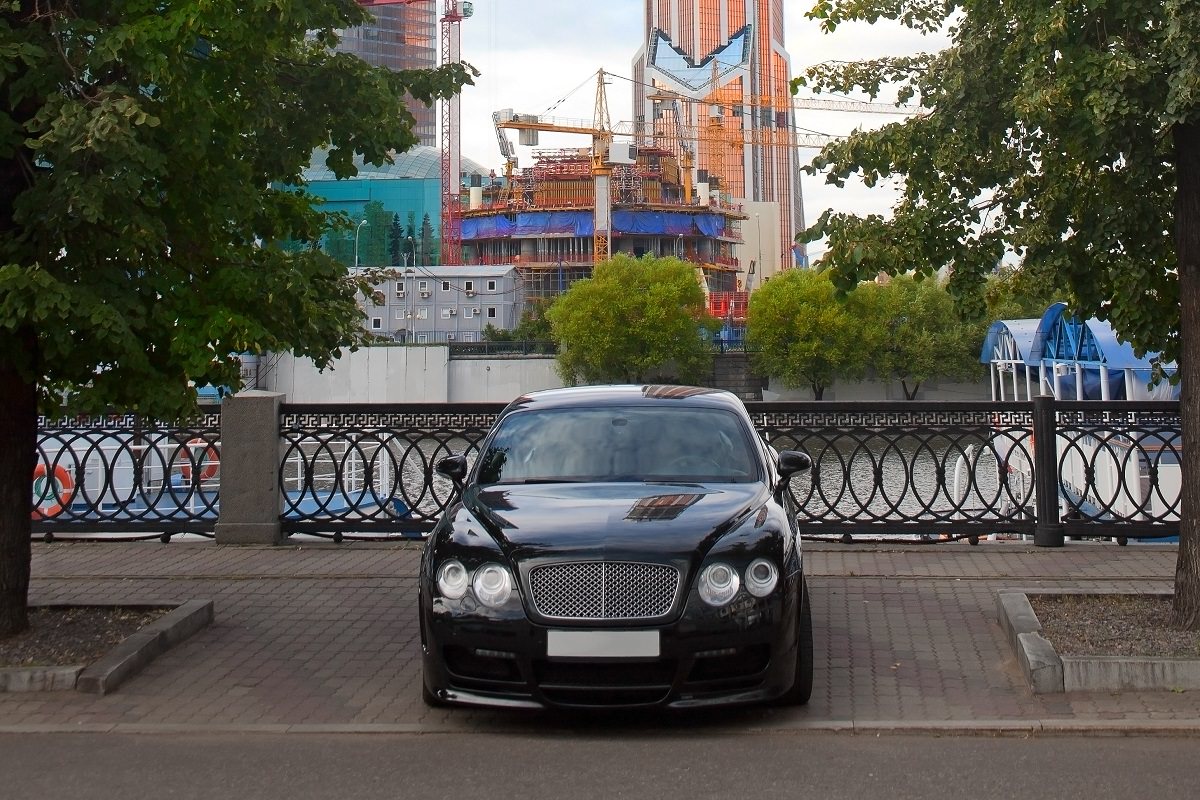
point(802, 685)
point(429, 698)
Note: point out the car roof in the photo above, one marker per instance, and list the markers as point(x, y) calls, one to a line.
point(627, 395)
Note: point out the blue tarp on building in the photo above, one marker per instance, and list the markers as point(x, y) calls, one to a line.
point(581, 223)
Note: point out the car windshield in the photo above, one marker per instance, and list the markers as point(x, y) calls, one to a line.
point(620, 444)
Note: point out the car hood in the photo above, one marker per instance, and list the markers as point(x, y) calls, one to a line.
point(611, 520)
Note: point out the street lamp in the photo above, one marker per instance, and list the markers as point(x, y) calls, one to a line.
point(409, 322)
point(412, 246)
point(679, 247)
point(357, 230)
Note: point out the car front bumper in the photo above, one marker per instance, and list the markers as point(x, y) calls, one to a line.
point(740, 654)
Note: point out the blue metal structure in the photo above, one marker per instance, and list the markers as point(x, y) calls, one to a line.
point(1072, 359)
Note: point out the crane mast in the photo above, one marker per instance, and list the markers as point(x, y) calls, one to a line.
point(451, 53)
point(602, 175)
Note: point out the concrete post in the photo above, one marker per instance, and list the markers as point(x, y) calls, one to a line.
point(250, 503)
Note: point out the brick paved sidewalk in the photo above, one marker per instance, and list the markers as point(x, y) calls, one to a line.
point(318, 637)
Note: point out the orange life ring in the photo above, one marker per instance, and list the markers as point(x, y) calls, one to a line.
point(63, 488)
point(209, 462)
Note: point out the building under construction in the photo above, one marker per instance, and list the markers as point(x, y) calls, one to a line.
point(718, 71)
point(541, 218)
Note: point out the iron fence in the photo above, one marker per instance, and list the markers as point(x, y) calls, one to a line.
point(923, 470)
point(126, 474)
point(370, 468)
point(459, 350)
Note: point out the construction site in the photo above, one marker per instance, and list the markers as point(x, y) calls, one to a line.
point(542, 218)
point(712, 146)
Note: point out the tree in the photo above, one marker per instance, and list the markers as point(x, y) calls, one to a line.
point(373, 250)
point(911, 332)
point(1013, 293)
point(634, 315)
point(141, 146)
point(799, 331)
point(396, 241)
point(533, 327)
point(1065, 133)
point(429, 247)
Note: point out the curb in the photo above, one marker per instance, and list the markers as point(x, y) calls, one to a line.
point(1047, 672)
point(122, 662)
point(995, 728)
point(38, 679)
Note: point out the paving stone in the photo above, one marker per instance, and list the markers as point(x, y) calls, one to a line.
point(323, 637)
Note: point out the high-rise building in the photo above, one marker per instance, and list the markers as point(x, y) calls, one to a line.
point(402, 36)
point(714, 75)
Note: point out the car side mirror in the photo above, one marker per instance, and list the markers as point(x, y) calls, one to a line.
point(793, 461)
point(454, 468)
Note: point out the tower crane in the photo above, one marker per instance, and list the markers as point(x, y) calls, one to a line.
point(451, 52)
point(736, 137)
point(601, 131)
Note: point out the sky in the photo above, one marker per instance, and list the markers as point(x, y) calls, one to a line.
point(541, 57)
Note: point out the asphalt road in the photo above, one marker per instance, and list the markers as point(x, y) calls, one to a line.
point(594, 761)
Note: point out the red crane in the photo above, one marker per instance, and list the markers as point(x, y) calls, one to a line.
point(451, 49)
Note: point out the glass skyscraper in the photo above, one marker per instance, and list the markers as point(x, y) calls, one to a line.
point(727, 59)
point(401, 37)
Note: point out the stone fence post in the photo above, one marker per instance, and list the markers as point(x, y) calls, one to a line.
point(250, 502)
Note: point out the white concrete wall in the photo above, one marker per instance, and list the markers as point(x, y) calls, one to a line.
point(500, 380)
point(427, 375)
point(406, 375)
point(369, 375)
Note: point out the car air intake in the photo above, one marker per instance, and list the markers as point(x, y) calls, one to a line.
point(603, 590)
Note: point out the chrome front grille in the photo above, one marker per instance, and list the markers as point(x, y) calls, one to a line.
point(603, 590)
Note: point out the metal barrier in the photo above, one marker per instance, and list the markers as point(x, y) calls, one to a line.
point(370, 468)
point(489, 348)
point(128, 475)
point(926, 471)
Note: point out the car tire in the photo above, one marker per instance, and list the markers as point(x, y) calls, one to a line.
point(802, 684)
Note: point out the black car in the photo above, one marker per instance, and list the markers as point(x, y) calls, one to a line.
point(618, 546)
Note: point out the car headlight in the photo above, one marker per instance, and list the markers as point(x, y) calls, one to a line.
point(492, 584)
point(453, 579)
point(761, 577)
point(718, 584)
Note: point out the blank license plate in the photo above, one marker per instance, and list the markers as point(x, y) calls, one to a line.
point(602, 644)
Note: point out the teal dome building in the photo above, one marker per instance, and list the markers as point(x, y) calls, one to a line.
point(400, 202)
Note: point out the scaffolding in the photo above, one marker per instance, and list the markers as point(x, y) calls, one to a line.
point(552, 258)
point(544, 282)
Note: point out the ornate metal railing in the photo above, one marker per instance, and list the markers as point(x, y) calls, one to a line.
point(953, 470)
point(126, 474)
point(488, 348)
point(370, 468)
point(915, 468)
point(1118, 466)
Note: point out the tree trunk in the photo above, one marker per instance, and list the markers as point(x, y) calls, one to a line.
point(18, 394)
point(18, 446)
point(1187, 246)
